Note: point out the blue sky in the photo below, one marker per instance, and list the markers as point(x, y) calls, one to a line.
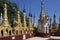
point(50, 6)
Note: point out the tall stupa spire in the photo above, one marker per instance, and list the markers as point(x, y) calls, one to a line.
point(42, 5)
point(54, 18)
point(24, 12)
point(59, 25)
point(30, 19)
point(59, 19)
point(5, 23)
point(18, 18)
point(18, 27)
point(42, 10)
point(59, 22)
point(31, 28)
point(54, 24)
point(34, 24)
point(5, 18)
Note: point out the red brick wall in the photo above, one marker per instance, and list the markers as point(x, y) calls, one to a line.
point(6, 38)
point(29, 36)
point(17, 37)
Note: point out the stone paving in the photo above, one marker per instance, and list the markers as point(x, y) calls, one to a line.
point(37, 38)
point(40, 38)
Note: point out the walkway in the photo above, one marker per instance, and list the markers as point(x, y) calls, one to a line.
point(40, 38)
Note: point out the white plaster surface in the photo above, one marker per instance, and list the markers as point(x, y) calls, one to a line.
point(55, 37)
point(40, 38)
point(37, 38)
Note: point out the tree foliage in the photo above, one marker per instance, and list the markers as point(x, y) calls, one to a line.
point(11, 10)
